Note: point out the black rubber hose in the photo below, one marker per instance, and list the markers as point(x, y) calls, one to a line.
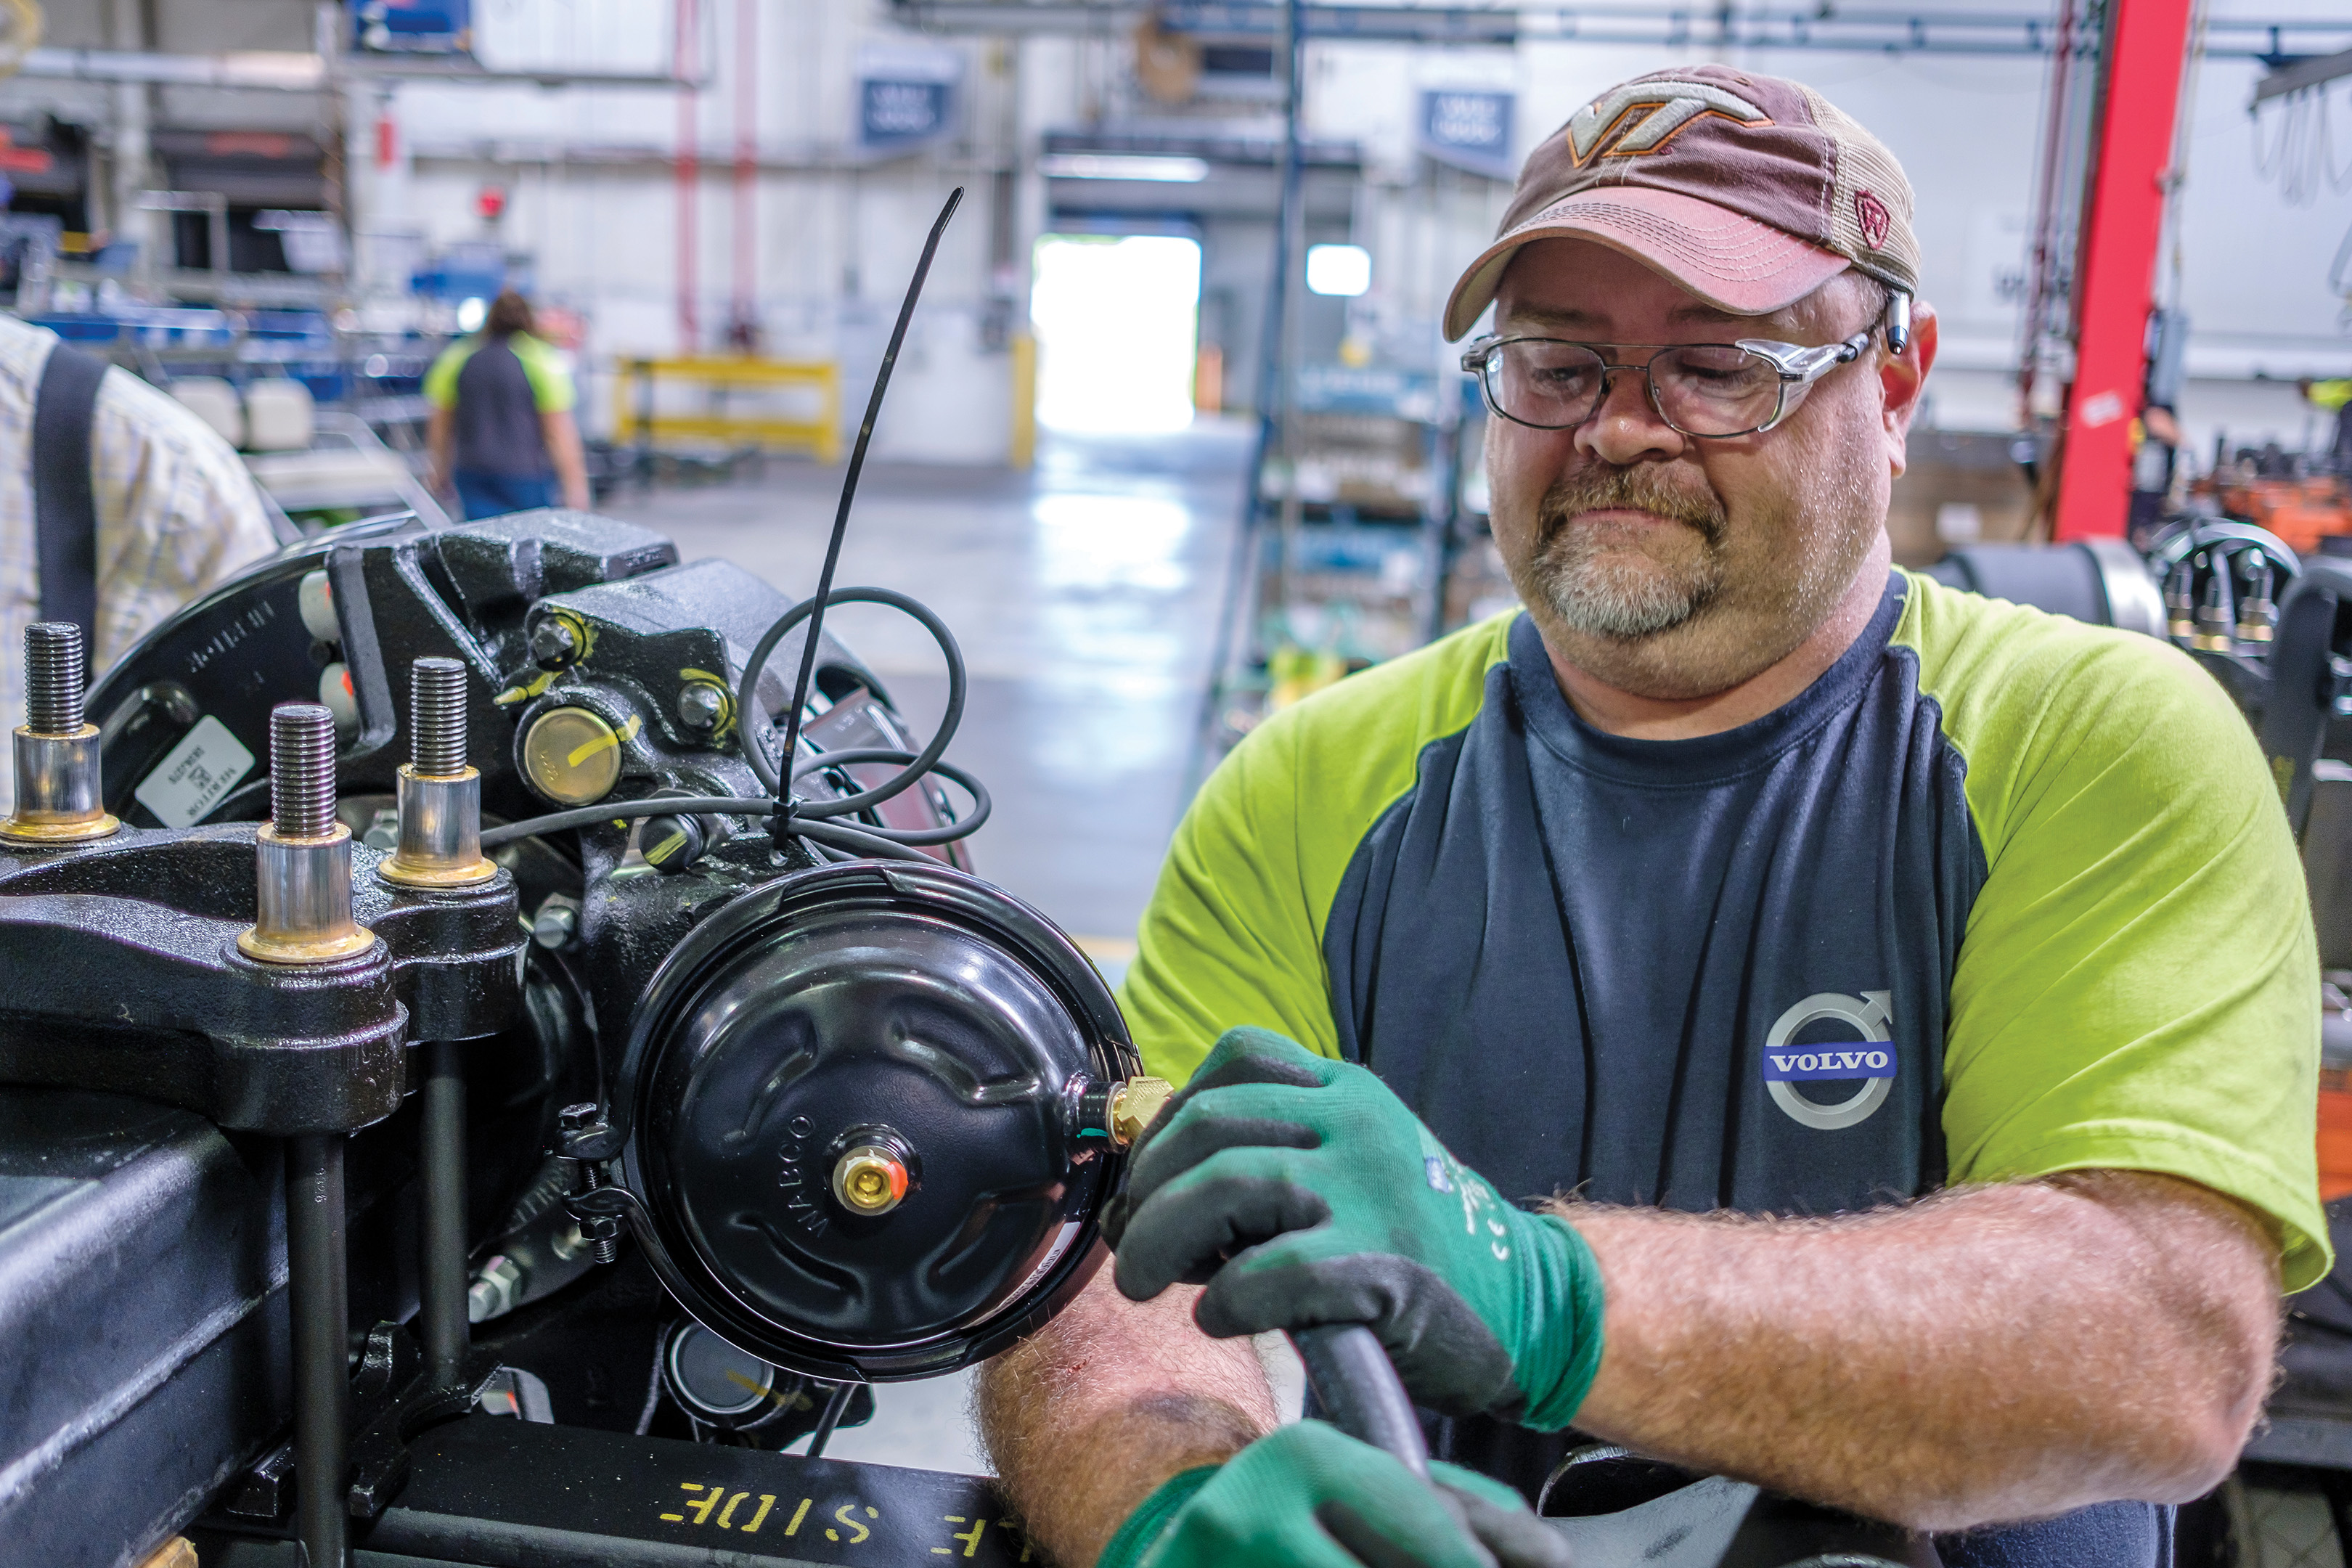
point(746, 691)
point(1358, 1386)
point(864, 841)
point(963, 826)
point(621, 810)
point(824, 596)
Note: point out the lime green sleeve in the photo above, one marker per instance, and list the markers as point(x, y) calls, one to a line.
point(2332, 395)
point(1233, 934)
point(1228, 937)
point(441, 382)
point(551, 383)
point(2138, 986)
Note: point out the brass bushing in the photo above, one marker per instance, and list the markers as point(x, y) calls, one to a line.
point(1133, 1104)
point(303, 900)
point(440, 841)
point(58, 798)
point(869, 1179)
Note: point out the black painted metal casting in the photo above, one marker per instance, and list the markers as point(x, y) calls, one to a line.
point(124, 975)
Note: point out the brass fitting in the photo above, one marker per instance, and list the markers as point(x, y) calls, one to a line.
point(1133, 1104)
point(869, 1179)
point(440, 843)
point(59, 797)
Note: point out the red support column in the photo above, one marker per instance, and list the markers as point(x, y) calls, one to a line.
point(2147, 46)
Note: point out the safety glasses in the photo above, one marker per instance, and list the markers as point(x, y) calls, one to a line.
point(1710, 390)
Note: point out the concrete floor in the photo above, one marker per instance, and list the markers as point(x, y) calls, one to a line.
point(1085, 595)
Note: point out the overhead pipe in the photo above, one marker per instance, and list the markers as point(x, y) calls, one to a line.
point(287, 70)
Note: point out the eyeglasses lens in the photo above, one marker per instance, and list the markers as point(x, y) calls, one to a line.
point(1711, 389)
point(1538, 381)
point(1704, 389)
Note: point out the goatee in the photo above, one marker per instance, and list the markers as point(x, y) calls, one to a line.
point(1611, 590)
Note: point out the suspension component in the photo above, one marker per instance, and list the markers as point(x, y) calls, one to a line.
point(2181, 602)
point(440, 843)
point(302, 854)
point(59, 795)
point(2216, 616)
point(2257, 611)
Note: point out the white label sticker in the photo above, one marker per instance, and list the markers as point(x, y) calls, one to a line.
point(196, 776)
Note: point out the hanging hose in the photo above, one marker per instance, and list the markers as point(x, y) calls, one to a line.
point(864, 840)
point(789, 817)
point(746, 689)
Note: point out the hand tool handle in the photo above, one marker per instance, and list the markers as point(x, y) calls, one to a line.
point(1359, 1391)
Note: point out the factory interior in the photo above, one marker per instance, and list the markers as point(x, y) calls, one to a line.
point(458, 1104)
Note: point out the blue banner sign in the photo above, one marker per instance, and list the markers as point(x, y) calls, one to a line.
point(1468, 130)
point(905, 96)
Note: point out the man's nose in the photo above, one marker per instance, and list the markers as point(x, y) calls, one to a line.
point(1626, 428)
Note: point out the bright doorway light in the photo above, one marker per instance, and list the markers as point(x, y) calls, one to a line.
point(1343, 269)
point(1118, 324)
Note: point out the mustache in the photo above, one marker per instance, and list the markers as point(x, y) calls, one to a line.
point(1601, 488)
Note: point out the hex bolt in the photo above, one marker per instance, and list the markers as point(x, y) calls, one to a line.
point(301, 770)
point(54, 673)
point(699, 705)
point(496, 1287)
point(553, 644)
point(437, 717)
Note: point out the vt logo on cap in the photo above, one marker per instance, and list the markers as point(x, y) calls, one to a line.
point(1672, 105)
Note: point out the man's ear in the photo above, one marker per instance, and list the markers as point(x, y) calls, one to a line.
point(1902, 378)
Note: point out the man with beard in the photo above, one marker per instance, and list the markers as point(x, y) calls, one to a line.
point(1755, 1006)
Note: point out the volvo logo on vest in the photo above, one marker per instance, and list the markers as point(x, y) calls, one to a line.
point(1870, 1059)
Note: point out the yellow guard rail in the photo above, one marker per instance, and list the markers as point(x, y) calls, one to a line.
point(636, 423)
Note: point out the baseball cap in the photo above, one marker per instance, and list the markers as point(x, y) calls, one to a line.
point(1749, 191)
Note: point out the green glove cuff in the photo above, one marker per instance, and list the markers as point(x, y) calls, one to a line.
point(1563, 1357)
point(1151, 1516)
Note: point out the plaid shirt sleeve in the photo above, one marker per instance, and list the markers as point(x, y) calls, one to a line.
point(177, 511)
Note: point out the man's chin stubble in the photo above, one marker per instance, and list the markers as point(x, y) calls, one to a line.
point(1598, 599)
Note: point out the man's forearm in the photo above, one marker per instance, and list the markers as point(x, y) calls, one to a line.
point(1998, 1354)
point(1087, 1417)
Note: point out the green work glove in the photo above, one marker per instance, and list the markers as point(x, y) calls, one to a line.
point(1300, 1191)
point(1307, 1496)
